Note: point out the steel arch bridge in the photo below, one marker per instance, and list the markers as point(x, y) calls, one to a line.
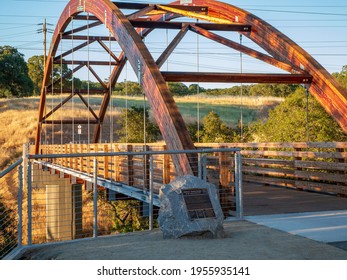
point(129, 30)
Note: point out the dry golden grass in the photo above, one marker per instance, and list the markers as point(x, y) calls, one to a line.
point(18, 118)
point(249, 101)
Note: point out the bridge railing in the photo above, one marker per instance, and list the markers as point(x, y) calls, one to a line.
point(11, 203)
point(62, 203)
point(311, 166)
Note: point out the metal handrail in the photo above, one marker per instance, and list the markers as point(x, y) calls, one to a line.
point(102, 154)
point(11, 167)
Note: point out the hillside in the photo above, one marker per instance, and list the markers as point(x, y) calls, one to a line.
point(19, 117)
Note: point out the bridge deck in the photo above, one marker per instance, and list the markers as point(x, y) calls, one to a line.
point(260, 199)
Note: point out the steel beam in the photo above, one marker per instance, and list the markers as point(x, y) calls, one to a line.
point(171, 47)
point(248, 51)
point(68, 74)
point(283, 53)
point(74, 121)
point(85, 38)
point(167, 115)
point(82, 28)
point(140, 6)
point(90, 41)
point(324, 87)
point(85, 63)
point(180, 25)
point(236, 78)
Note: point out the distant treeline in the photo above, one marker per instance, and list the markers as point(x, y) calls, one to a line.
point(19, 78)
point(180, 89)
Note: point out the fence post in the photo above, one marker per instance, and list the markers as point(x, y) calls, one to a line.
point(145, 169)
point(150, 192)
point(199, 166)
point(166, 167)
point(95, 199)
point(20, 205)
point(130, 166)
point(204, 167)
point(29, 203)
point(238, 185)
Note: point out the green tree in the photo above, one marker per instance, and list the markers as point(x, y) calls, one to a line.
point(287, 122)
point(14, 77)
point(127, 88)
point(178, 89)
point(85, 84)
point(193, 89)
point(131, 122)
point(215, 130)
point(36, 70)
point(342, 76)
point(278, 90)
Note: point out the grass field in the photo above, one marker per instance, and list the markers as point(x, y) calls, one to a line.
point(19, 116)
point(228, 108)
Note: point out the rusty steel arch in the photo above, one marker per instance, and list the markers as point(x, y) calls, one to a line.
point(129, 31)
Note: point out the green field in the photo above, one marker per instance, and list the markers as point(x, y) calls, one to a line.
point(228, 113)
point(227, 108)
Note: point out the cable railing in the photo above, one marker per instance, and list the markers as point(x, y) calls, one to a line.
point(64, 197)
point(11, 202)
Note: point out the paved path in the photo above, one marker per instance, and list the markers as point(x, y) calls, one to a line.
point(328, 226)
point(244, 241)
point(260, 199)
point(306, 228)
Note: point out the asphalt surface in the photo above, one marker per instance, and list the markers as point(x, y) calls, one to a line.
point(244, 240)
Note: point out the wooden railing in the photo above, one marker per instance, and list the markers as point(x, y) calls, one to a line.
point(313, 166)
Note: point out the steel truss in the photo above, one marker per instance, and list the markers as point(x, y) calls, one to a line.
point(130, 29)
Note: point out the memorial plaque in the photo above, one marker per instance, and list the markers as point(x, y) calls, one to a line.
point(198, 203)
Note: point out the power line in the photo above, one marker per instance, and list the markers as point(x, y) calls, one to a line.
point(29, 16)
point(298, 12)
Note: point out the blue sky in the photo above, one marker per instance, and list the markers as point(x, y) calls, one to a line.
point(320, 27)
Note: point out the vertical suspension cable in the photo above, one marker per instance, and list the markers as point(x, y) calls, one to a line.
point(144, 129)
point(144, 119)
point(88, 82)
point(167, 43)
point(144, 105)
point(241, 95)
point(72, 83)
point(110, 92)
point(198, 85)
point(126, 102)
point(61, 89)
point(112, 159)
point(45, 130)
point(307, 116)
point(52, 100)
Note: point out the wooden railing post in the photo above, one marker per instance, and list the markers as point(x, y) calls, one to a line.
point(130, 166)
point(71, 147)
point(297, 158)
point(145, 169)
point(166, 167)
point(226, 191)
point(340, 192)
point(106, 162)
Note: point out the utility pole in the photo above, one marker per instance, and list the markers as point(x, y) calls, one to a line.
point(44, 30)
